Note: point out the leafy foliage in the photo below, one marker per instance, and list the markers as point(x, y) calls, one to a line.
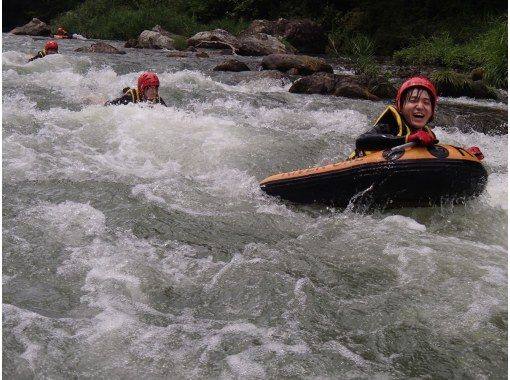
point(439, 50)
point(491, 48)
point(117, 20)
point(488, 50)
point(180, 43)
point(451, 83)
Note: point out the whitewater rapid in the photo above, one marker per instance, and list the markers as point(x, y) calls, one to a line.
point(137, 243)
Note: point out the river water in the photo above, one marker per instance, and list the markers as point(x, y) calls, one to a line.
point(137, 243)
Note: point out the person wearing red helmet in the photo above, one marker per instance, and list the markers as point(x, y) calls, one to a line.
point(51, 47)
point(147, 90)
point(406, 122)
point(61, 33)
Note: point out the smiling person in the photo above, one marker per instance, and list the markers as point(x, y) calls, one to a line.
point(407, 122)
point(146, 91)
point(50, 47)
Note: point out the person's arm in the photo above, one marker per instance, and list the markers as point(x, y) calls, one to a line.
point(124, 99)
point(38, 55)
point(380, 137)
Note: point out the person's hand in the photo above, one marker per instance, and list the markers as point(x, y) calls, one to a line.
point(475, 151)
point(421, 138)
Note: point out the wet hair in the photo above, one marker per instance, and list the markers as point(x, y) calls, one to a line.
point(407, 95)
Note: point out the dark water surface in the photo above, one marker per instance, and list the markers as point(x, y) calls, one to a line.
point(137, 244)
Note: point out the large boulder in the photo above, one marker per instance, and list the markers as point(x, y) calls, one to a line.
point(100, 47)
point(214, 39)
point(35, 27)
point(305, 35)
point(253, 44)
point(160, 30)
point(295, 64)
point(262, 44)
point(232, 65)
point(348, 86)
point(150, 39)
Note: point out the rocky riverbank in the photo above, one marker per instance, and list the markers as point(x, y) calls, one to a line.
point(282, 49)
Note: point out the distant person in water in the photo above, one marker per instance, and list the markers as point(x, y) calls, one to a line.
point(51, 47)
point(146, 91)
point(62, 33)
point(406, 122)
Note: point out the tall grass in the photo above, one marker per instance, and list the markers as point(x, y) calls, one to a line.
point(115, 19)
point(440, 50)
point(491, 48)
point(124, 23)
point(488, 50)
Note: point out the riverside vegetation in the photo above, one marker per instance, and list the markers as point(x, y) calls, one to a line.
point(457, 36)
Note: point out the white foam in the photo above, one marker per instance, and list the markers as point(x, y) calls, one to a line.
point(68, 222)
point(241, 365)
point(497, 190)
point(400, 221)
point(280, 348)
point(475, 102)
point(494, 148)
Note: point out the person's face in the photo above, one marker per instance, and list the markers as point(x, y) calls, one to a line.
point(417, 108)
point(51, 51)
point(151, 92)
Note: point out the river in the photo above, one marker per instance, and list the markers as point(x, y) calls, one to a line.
point(137, 243)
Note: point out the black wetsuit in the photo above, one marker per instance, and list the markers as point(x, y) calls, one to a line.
point(388, 131)
point(40, 54)
point(132, 95)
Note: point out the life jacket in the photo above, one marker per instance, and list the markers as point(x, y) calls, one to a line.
point(135, 96)
point(390, 116)
point(40, 54)
point(134, 93)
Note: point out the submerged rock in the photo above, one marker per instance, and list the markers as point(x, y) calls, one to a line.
point(100, 47)
point(295, 64)
point(472, 117)
point(332, 84)
point(179, 54)
point(232, 65)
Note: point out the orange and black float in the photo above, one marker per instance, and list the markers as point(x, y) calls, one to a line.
point(404, 177)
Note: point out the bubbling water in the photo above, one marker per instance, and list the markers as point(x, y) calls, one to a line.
point(137, 242)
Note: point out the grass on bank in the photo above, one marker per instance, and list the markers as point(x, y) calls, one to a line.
point(488, 50)
point(121, 20)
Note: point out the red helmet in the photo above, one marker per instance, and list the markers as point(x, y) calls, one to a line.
point(147, 79)
point(417, 82)
point(51, 45)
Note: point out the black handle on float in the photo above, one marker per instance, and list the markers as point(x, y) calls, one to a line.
point(403, 146)
point(397, 151)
